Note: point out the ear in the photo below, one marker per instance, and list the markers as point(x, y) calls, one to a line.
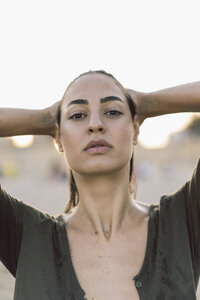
point(57, 139)
point(136, 126)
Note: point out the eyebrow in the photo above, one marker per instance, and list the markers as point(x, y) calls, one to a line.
point(102, 100)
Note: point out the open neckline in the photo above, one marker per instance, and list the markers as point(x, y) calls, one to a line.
point(148, 245)
point(136, 277)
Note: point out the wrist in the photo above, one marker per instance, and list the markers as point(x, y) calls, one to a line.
point(48, 121)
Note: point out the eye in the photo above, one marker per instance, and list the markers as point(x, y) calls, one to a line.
point(77, 116)
point(114, 113)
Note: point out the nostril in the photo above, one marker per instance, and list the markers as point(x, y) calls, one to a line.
point(95, 128)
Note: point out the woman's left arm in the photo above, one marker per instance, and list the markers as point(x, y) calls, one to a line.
point(182, 98)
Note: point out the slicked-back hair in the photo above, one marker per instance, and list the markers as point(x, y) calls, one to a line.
point(73, 191)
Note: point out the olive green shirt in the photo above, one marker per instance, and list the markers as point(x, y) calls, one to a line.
point(34, 248)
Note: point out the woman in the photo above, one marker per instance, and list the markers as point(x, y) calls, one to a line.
point(107, 245)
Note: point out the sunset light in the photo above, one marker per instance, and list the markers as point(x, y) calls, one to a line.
point(155, 132)
point(23, 141)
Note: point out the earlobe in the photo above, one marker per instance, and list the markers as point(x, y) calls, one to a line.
point(60, 147)
point(135, 142)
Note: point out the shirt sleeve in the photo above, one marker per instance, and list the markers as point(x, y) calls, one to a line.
point(15, 218)
point(11, 226)
point(192, 206)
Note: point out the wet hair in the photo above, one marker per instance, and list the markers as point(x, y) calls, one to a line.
point(73, 192)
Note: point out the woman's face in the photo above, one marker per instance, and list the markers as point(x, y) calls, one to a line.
point(95, 117)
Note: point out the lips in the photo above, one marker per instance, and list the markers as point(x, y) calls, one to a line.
point(97, 143)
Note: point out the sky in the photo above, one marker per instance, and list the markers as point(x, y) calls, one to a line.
point(146, 45)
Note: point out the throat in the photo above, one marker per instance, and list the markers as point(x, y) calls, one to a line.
point(107, 230)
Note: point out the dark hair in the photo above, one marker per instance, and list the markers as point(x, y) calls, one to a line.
point(74, 194)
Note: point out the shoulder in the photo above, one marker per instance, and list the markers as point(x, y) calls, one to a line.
point(143, 208)
point(66, 217)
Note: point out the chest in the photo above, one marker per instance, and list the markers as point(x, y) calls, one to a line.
point(107, 271)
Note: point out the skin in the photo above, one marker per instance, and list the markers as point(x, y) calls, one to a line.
point(105, 204)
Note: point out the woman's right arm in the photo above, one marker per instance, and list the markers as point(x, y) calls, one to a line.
point(19, 122)
point(16, 121)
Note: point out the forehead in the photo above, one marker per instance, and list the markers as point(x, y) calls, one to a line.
point(92, 86)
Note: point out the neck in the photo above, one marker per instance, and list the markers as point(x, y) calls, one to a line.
point(105, 205)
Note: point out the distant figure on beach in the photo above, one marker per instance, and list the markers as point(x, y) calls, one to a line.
point(107, 245)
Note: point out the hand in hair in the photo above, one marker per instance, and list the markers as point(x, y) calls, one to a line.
point(138, 99)
point(53, 110)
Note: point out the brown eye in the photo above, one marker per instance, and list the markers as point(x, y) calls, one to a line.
point(114, 112)
point(77, 116)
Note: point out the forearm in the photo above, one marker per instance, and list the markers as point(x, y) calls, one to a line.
point(14, 121)
point(183, 98)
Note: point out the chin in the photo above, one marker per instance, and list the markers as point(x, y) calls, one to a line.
point(99, 169)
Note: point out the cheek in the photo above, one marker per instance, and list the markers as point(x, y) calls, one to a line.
point(69, 135)
point(124, 142)
point(71, 141)
point(125, 134)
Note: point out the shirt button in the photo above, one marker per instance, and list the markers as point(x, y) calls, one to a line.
point(138, 284)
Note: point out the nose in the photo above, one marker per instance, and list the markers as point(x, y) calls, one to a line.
point(95, 124)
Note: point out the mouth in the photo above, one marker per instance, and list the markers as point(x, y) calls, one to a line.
point(99, 145)
point(98, 149)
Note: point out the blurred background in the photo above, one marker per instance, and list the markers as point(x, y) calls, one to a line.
point(146, 45)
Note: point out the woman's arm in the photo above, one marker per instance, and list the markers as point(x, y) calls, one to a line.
point(182, 98)
point(15, 121)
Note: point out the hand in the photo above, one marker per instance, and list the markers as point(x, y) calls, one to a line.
point(53, 111)
point(138, 100)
